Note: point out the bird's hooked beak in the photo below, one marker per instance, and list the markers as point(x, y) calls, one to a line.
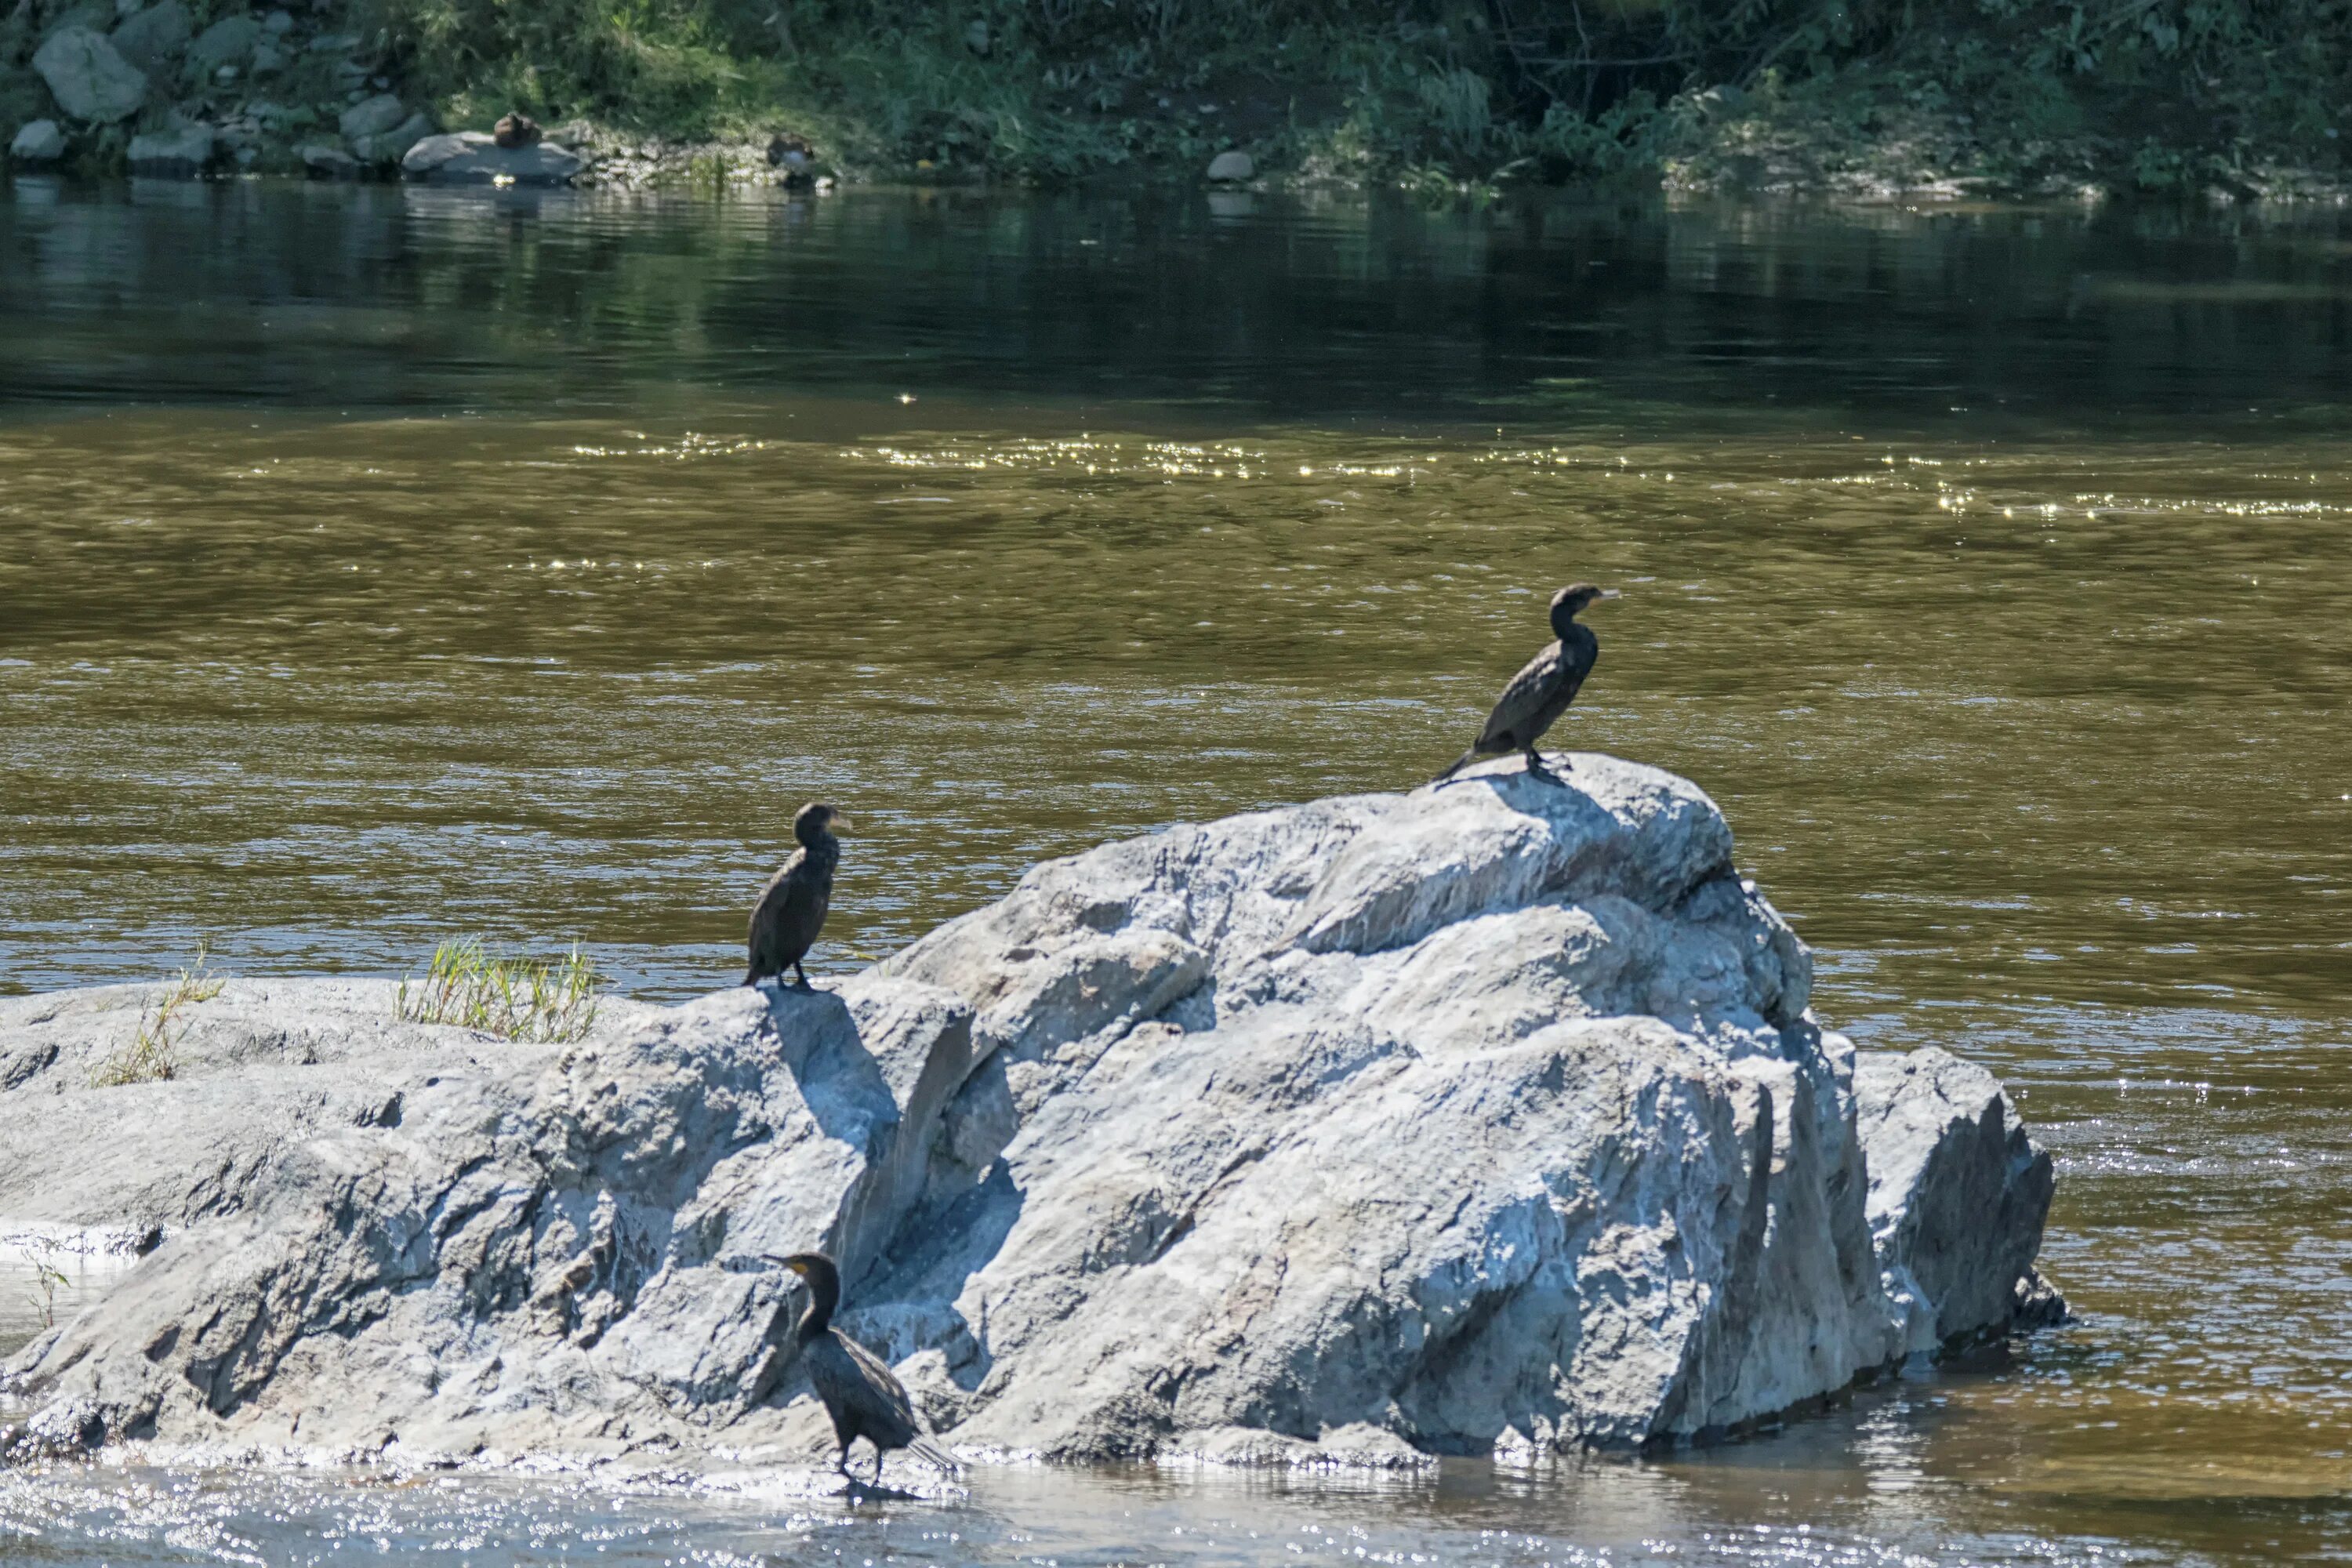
point(1609, 593)
point(841, 825)
point(791, 1263)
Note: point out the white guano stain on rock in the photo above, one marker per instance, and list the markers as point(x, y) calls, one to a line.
point(1488, 1118)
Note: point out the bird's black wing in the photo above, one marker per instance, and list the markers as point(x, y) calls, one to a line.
point(1532, 695)
point(765, 913)
point(886, 1393)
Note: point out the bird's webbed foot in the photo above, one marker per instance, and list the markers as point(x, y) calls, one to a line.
point(1537, 767)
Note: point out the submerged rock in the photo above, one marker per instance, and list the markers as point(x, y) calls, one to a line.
point(88, 77)
point(1489, 1118)
point(474, 158)
point(1231, 167)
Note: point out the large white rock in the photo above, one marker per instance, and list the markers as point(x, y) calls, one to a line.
point(88, 77)
point(475, 158)
point(1483, 1118)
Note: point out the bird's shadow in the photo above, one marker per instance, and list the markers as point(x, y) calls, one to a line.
point(854, 1491)
point(839, 1079)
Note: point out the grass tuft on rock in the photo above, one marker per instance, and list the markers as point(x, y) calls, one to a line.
point(537, 1000)
point(150, 1056)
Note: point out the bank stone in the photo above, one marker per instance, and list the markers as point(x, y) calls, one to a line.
point(88, 77)
point(178, 153)
point(372, 116)
point(37, 141)
point(149, 38)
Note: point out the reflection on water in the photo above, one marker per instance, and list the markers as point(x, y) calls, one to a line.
point(382, 566)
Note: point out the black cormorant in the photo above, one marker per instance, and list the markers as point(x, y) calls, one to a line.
point(864, 1397)
point(1541, 692)
point(515, 130)
point(790, 909)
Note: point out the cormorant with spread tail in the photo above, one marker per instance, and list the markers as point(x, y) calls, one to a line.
point(790, 910)
point(864, 1397)
point(1541, 692)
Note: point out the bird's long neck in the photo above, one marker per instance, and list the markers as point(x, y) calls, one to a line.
point(1563, 626)
point(824, 850)
point(825, 1295)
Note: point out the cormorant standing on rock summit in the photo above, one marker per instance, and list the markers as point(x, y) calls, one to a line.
point(864, 1397)
point(790, 910)
point(1540, 692)
point(515, 130)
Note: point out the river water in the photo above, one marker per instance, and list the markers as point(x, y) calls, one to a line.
point(385, 565)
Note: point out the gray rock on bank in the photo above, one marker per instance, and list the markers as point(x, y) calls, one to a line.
point(88, 77)
point(149, 38)
point(1483, 1119)
point(37, 141)
point(228, 42)
point(324, 161)
point(178, 153)
point(473, 158)
point(391, 146)
point(372, 116)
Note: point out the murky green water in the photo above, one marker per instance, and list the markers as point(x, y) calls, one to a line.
point(380, 566)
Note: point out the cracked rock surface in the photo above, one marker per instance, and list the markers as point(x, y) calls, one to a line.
point(1483, 1118)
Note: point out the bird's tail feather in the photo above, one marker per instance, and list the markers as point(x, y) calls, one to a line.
point(1464, 761)
point(936, 1454)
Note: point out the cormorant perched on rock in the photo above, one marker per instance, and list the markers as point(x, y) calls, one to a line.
point(1540, 692)
point(864, 1397)
point(515, 128)
point(790, 909)
point(793, 156)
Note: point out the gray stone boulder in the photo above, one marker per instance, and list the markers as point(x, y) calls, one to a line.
point(179, 153)
point(473, 158)
point(1229, 168)
point(372, 116)
point(391, 146)
point(37, 141)
point(322, 161)
point(1488, 1118)
point(228, 42)
point(1957, 1195)
point(88, 77)
point(149, 38)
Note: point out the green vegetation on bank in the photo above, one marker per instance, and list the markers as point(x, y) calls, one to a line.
point(1860, 95)
point(548, 1001)
point(152, 1054)
point(2148, 93)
